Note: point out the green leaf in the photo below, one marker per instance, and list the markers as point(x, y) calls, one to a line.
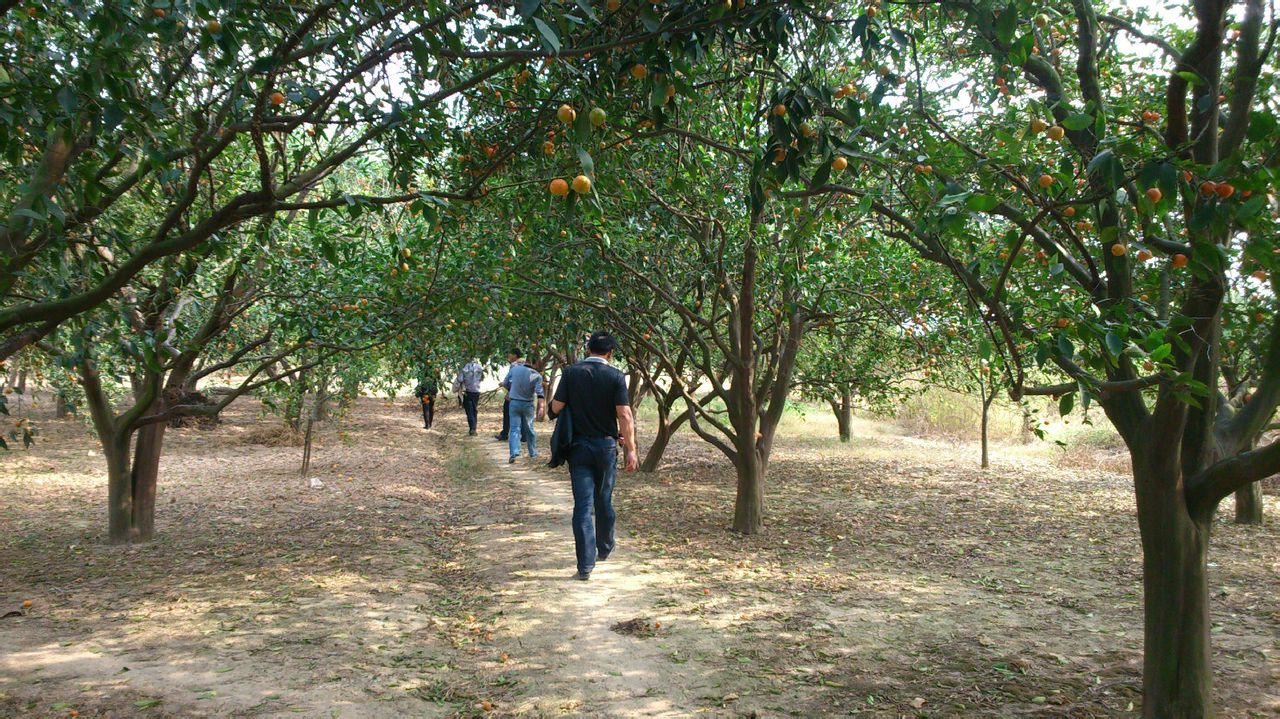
point(981, 203)
point(1006, 24)
point(112, 116)
point(529, 7)
point(1066, 403)
point(67, 99)
point(1192, 78)
point(147, 703)
point(588, 165)
point(1251, 208)
point(1077, 121)
point(1161, 352)
point(549, 37)
point(1114, 344)
point(1065, 348)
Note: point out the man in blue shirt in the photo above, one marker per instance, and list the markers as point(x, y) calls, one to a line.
point(524, 387)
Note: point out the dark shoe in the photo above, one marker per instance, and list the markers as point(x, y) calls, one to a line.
point(472, 433)
point(601, 556)
point(500, 438)
point(512, 460)
point(582, 576)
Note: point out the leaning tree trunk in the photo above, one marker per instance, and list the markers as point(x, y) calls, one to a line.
point(1249, 504)
point(987, 393)
point(666, 430)
point(145, 476)
point(844, 415)
point(1176, 673)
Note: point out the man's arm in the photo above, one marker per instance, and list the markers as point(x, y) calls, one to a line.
point(538, 394)
point(627, 428)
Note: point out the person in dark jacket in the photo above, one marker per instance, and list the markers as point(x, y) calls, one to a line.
point(595, 392)
point(426, 392)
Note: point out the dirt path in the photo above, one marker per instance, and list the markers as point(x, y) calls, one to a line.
point(571, 658)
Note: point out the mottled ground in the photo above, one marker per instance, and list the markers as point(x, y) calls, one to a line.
point(429, 578)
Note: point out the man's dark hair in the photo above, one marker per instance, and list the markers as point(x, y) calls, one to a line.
point(601, 343)
point(514, 352)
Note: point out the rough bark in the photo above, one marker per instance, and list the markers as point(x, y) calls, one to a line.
point(1176, 672)
point(844, 415)
point(986, 421)
point(748, 506)
point(1249, 504)
point(119, 490)
point(662, 437)
point(144, 477)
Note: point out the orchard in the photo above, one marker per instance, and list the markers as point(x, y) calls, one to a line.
point(950, 330)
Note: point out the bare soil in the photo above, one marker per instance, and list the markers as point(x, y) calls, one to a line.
point(428, 577)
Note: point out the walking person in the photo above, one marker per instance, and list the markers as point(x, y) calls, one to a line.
point(426, 392)
point(468, 382)
point(524, 388)
point(595, 393)
point(505, 432)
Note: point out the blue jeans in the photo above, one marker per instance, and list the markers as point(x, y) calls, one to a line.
point(593, 468)
point(522, 424)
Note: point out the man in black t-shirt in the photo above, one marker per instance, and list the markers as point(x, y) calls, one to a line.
point(596, 394)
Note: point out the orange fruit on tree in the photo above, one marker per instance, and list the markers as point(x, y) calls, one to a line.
point(548, 148)
point(839, 163)
point(1144, 255)
point(1063, 322)
point(1208, 188)
point(1055, 133)
point(1154, 194)
point(1069, 211)
point(158, 12)
point(1118, 250)
point(1038, 126)
point(582, 184)
point(1045, 181)
point(1260, 275)
point(780, 154)
point(566, 114)
point(277, 98)
point(213, 26)
point(559, 187)
point(613, 5)
point(1225, 190)
point(1180, 260)
point(780, 109)
point(639, 71)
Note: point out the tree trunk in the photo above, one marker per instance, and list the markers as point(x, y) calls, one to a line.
point(119, 489)
point(1249, 504)
point(144, 477)
point(21, 387)
point(62, 404)
point(748, 506)
point(844, 416)
point(662, 438)
point(1176, 675)
point(986, 414)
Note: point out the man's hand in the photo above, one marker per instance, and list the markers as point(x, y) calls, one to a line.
point(633, 462)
